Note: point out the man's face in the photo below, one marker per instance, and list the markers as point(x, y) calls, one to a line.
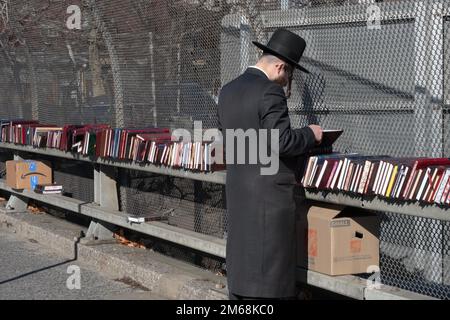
point(284, 74)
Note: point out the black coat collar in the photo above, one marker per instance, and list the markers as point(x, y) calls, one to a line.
point(256, 72)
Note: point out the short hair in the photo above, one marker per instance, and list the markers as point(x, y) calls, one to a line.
point(270, 58)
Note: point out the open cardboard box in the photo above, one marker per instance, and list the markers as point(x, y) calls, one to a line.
point(337, 240)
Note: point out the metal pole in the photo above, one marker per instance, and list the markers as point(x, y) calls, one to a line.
point(152, 80)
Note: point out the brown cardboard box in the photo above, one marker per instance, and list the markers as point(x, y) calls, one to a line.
point(26, 174)
point(338, 240)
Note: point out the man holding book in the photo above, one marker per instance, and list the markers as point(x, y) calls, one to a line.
point(261, 243)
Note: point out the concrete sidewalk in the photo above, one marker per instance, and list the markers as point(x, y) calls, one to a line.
point(161, 274)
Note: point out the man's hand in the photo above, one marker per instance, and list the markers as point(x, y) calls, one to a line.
point(317, 132)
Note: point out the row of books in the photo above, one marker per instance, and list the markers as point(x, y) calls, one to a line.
point(153, 145)
point(410, 179)
point(192, 155)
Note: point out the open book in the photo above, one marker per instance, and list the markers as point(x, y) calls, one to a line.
point(329, 137)
point(326, 146)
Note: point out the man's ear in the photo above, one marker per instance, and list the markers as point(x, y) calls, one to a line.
point(279, 67)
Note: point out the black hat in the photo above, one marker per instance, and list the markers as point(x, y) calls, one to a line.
point(286, 45)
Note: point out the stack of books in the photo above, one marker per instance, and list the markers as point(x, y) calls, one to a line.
point(49, 188)
point(408, 179)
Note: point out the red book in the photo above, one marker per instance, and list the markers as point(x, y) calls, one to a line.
point(422, 163)
point(331, 164)
point(333, 172)
point(434, 188)
point(446, 193)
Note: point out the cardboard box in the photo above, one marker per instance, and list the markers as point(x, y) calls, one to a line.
point(26, 174)
point(338, 240)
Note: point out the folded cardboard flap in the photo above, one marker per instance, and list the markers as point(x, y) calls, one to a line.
point(338, 240)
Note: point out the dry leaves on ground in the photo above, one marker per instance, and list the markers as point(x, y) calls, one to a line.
point(35, 209)
point(119, 236)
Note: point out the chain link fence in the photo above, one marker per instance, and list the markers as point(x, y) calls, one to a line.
point(379, 70)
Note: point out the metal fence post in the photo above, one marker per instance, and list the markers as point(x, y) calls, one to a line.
point(245, 43)
point(428, 122)
point(115, 66)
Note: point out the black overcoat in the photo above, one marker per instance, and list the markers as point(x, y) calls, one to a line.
point(261, 243)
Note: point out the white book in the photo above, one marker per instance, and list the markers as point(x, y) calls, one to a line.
point(347, 171)
point(340, 178)
point(205, 167)
point(155, 149)
point(152, 152)
point(313, 166)
point(208, 157)
point(188, 154)
point(188, 160)
point(343, 172)
point(387, 178)
point(382, 178)
point(183, 155)
point(401, 181)
point(423, 183)
point(415, 183)
point(358, 178)
point(352, 172)
point(377, 176)
point(311, 178)
point(179, 154)
point(355, 175)
point(400, 176)
point(441, 187)
point(175, 154)
point(313, 172)
point(308, 168)
point(364, 175)
point(430, 184)
point(198, 155)
point(87, 143)
point(324, 167)
point(398, 182)
point(163, 154)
